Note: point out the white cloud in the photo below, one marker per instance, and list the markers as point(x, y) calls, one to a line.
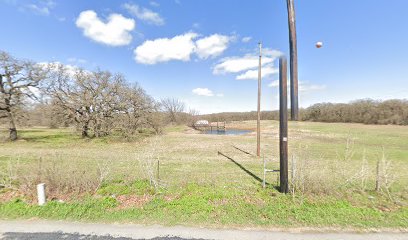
point(42, 7)
point(272, 53)
point(212, 46)
point(154, 4)
point(37, 9)
point(206, 92)
point(247, 66)
point(236, 64)
point(274, 83)
point(115, 32)
point(246, 39)
point(239, 64)
point(144, 14)
point(181, 47)
point(166, 49)
point(203, 92)
point(304, 87)
point(253, 74)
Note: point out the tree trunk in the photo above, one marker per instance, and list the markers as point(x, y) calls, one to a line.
point(85, 131)
point(294, 105)
point(12, 127)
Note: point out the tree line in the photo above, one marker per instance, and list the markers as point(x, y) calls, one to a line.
point(367, 111)
point(98, 103)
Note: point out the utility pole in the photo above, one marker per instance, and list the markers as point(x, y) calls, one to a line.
point(283, 126)
point(258, 124)
point(294, 99)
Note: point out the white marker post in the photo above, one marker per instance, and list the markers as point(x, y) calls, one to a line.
point(41, 194)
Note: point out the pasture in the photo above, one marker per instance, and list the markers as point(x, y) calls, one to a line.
point(184, 177)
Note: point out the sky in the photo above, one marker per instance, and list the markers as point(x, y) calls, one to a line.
point(205, 52)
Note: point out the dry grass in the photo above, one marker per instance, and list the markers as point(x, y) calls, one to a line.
point(328, 159)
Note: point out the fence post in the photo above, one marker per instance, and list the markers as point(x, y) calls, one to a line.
point(158, 171)
point(41, 194)
point(378, 177)
point(264, 173)
point(293, 173)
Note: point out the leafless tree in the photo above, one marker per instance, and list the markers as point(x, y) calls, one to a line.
point(137, 111)
point(18, 80)
point(174, 108)
point(46, 113)
point(193, 116)
point(64, 89)
point(89, 98)
point(100, 102)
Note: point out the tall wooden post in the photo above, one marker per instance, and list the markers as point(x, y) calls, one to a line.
point(294, 99)
point(283, 125)
point(258, 124)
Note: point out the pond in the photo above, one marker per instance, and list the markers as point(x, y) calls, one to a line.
point(227, 132)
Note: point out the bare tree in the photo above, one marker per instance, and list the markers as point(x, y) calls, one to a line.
point(46, 113)
point(193, 114)
point(89, 98)
point(138, 111)
point(18, 80)
point(63, 88)
point(174, 108)
point(106, 102)
point(100, 102)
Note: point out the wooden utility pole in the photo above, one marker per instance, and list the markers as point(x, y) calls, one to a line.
point(258, 124)
point(294, 99)
point(283, 125)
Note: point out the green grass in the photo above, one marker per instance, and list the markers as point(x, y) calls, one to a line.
point(119, 188)
point(200, 187)
point(210, 205)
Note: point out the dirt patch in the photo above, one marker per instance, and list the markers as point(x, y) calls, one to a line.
point(131, 201)
point(8, 195)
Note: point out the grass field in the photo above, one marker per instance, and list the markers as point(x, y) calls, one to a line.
point(335, 168)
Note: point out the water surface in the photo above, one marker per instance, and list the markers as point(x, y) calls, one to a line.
point(227, 132)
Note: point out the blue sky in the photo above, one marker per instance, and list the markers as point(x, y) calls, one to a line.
point(203, 51)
